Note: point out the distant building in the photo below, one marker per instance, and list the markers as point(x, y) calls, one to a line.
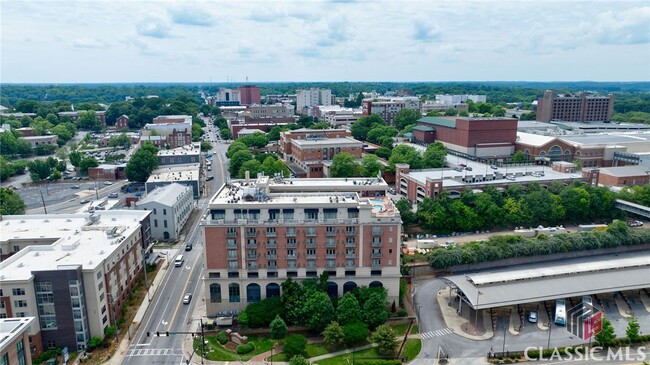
point(575, 108)
point(170, 119)
point(187, 174)
point(623, 176)
point(307, 98)
point(40, 140)
point(277, 111)
point(249, 95)
point(167, 135)
point(26, 131)
point(337, 116)
point(429, 106)
point(101, 115)
point(388, 107)
point(107, 172)
point(171, 206)
point(451, 100)
point(122, 122)
point(15, 342)
point(190, 154)
point(73, 272)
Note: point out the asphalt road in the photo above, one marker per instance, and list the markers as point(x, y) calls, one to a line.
point(167, 313)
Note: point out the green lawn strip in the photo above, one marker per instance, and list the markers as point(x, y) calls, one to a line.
point(220, 353)
point(399, 328)
point(370, 353)
point(311, 350)
point(415, 329)
point(412, 349)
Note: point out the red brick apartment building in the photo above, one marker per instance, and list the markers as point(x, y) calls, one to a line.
point(260, 232)
point(575, 108)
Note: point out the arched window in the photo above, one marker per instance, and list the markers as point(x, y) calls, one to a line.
point(233, 293)
point(272, 290)
point(376, 284)
point(253, 293)
point(349, 286)
point(215, 293)
point(332, 289)
point(555, 153)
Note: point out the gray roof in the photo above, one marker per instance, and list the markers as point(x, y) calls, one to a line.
point(424, 128)
point(623, 171)
point(166, 195)
point(607, 139)
point(449, 123)
point(555, 279)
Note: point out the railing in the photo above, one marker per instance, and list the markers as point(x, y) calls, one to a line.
point(251, 257)
point(232, 258)
point(310, 233)
point(232, 245)
point(311, 245)
point(251, 245)
point(376, 244)
point(231, 234)
point(350, 255)
point(270, 234)
point(271, 256)
point(292, 245)
point(290, 234)
point(375, 255)
point(330, 233)
point(275, 222)
point(271, 245)
point(330, 256)
point(330, 244)
point(251, 234)
point(350, 244)
point(272, 267)
point(291, 257)
point(311, 256)
point(350, 233)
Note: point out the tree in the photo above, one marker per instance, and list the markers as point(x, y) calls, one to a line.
point(274, 133)
point(142, 163)
point(121, 141)
point(333, 334)
point(374, 311)
point(87, 163)
point(518, 157)
point(55, 175)
point(607, 336)
point(406, 212)
point(385, 339)
point(363, 125)
point(292, 293)
point(8, 144)
point(45, 149)
point(257, 140)
point(379, 134)
point(206, 146)
point(23, 147)
point(408, 155)
point(278, 328)
point(348, 310)
point(10, 202)
point(343, 165)
point(75, 158)
point(435, 155)
point(225, 133)
point(305, 120)
point(632, 330)
point(383, 152)
point(294, 345)
point(39, 170)
point(405, 117)
point(318, 310)
point(236, 147)
point(88, 120)
point(237, 160)
point(370, 165)
point(299, 360)
point(355, 333)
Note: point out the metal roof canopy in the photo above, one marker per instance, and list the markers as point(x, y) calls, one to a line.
point(555, 280)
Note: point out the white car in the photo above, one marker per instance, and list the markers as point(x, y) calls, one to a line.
point(108, 183)
point(187, 298)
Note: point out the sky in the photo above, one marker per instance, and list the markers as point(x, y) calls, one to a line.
point(97, 41)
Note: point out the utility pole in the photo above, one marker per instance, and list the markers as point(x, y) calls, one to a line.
point(202, 341)
point(43, 200)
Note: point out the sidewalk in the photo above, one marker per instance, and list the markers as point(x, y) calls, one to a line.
point(460, 325)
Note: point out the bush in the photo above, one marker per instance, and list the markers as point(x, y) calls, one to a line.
point(94, 342)
point(298, 360)
point(246, 348)
point(278, 328)
point(47, 355)
point(222, 337)
point(262, 313)
point(355, 333)
point(402, 312)
point(294, 345)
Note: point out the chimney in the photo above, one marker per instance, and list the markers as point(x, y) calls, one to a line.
point(248, 176)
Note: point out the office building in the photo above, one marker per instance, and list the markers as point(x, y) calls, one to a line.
point(307, 98)
point(171, 206)
point(575, 108)
point(260, 232)
point(14, 340)
point(189, 154)
point(249, 95)
point(184, 174)
point(388, 107)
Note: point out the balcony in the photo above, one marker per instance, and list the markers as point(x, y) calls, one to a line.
point(330, 233)
point(270, 234)
point(292, 245)
point(291, 233)
point(251, 257)
point(350, 233)
point(350, 255)
point(376, 265)
point(271, 245)
point(251, 234)
point(232, 258)
point(232, 245)
point(330, 256)
point(375, 255)
point(331, 265)
point(310, 233)
point(292, 257)
point(311, 245)
point(231, 234)
point(330, 244)
point(311, 256)
point(252, 266)
point(376, 244)
point(350, 244)
point(350, 266)
point(251, 245)
point(272, 267)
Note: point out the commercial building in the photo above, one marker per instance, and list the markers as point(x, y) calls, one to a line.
point(429, 106)
point(187, 174)
point(622, 176)
point(575, 108)
point(277, 229)
point(167, 135)
point(388, 107)
point(451, 100)
point(227, 97)
point(305, 151)
point(169, 119)
point(171, 206)
point(480, 137)
point(256, 112)
point(249, 95)
point(337, 116)
point(189, 154)
point(14, 341)
point(105, 172)
point(307, 98)
point(72, 271)
point(35, 141)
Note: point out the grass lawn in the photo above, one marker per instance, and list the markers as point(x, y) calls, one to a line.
point(312, 350)
point(343, 359)
point(220, 353)
point(400, 328)
point(415, 329)
point(412, 349)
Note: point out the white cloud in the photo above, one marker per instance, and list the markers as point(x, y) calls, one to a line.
point(153, 27)
point(190, 15)
point(88, 43)
point(631, 26)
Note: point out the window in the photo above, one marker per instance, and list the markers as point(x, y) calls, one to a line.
point(154, 211)
point(215, 293)
point(164, 211)
point(311, 252)
point(291, 254)
point(165, 223)
point(232, 254)
point(218, 214)
point(155, 223)
point(287, 213)
point(330, 213)
point(233, 265)
point(16, 248)
point(20, 303)
point(18, 291)
point(233, 293)
point(99, 275)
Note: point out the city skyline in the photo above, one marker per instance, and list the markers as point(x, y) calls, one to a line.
point(218, 41)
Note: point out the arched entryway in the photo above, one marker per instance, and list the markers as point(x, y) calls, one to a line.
point(272, 290)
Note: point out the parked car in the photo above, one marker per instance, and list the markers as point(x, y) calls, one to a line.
point(112, 195)
point(493, 167)
point(532, 317)
point(108, 183)
point(468, 168)
point(84, 201)
point(458, 168)
point(75, 187)
point(209, 178)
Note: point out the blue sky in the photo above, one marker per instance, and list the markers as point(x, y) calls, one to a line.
point(198, 41)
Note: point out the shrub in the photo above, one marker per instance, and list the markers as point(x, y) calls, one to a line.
point(355, 333)
point(333, 334)
point(377, 362)
point(384, 337)
point(222, 337)
point(262, 313)
point(246, 348)
point(298, 360)
point(278, 328)
point(402, 312)
point(294, 345)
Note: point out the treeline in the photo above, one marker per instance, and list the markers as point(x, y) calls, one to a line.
point(514, 206)
point(509, 246)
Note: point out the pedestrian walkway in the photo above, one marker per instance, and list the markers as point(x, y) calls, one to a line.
point(460, 325)
point(437, 333)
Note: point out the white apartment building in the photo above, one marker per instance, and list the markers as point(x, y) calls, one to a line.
point(228, 95)
point(307, 98)
point(447, 99)
point(171, 206)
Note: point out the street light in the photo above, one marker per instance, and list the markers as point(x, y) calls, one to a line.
point(478, 294)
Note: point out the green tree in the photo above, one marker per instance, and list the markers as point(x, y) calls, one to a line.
point(236, 147)
point(363, 125)
point(206, 146)
point(576, 202)
point(607, 336)
point(406, 212)
point(87, 163)
point(225, 133)
point(451, 112)
point(63, 133)
point(120, 141)
point(355, 333)
point(278, 328)
point(374, 311)
point(257, 140)
point(305, 120)
point(274, 133)
point(370, 165)
point(348, 310)
point(39, 169)
point(343, 165)
point(8, 144)
point(55, 175)
point(252, 166)
point(237, 160)
point(88, 120)
point(435, 155)
point(518, 157)
point(406, 117)
point(299, 360)
point(380, 133)
point(294, 345)
point(633, 330)
point(383, 152)
point(142, 163)
point(408, 155)
point(45, 149)
point(333, 334)
point(10, 202)
point(271, 166)
point(384, 337)
point(75, 158)
point(319, 310)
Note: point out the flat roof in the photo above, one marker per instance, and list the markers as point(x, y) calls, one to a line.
point(184, 150)
point(623, 171)
point(180, 172)
point(167, 195)
point(76, 240)
point(12, 328)
point(532, 139)
point(607, 138)
point(326, 141)
point(555, 279)
point(449, 123)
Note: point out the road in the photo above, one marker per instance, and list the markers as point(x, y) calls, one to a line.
point(167, 313)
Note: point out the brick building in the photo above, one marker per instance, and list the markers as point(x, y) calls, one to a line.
point(101, 115)
point(249, 95)
point(122, 122)
point(107, 172)
point(14, 340)
point(575, 108)
point(190, 154)
point(388, 107)
point(167, 135)
point(276, 229)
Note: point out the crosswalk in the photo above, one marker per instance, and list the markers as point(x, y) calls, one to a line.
point(437, 333)
point(154, 352)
